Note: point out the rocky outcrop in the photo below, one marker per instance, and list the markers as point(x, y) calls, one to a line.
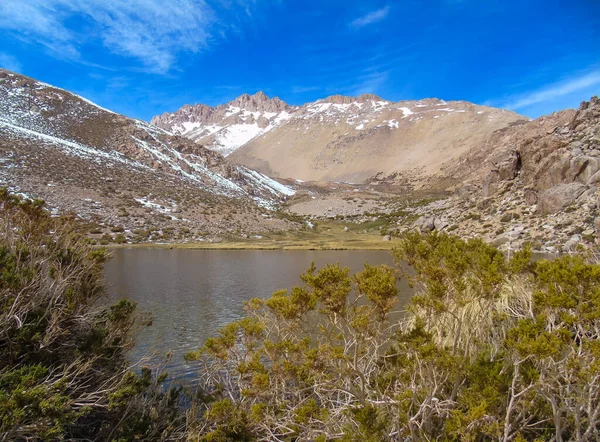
point(560, 148)
point(559, 197)
point(226, 127)
point(343, 99)
point(203, 114)
point(259, 102)
point(426, 224)
point(557, 157)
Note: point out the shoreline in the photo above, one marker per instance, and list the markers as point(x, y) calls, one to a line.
point(261, 245)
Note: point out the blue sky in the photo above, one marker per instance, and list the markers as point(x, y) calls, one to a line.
point(145, 57)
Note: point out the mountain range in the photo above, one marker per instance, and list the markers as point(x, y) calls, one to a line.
point(257, 166)
point(339, 138)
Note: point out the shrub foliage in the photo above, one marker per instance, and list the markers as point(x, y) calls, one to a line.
point(63, 375)
point(487, 349)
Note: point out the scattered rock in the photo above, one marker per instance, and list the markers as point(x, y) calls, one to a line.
point(484, 203)
point(573, 242)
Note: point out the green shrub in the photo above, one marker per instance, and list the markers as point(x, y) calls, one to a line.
point(62, 359)
point(509, 216)
point(489, 349)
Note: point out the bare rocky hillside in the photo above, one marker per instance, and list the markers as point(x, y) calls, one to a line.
point(536, 183)
point(131, 177)
point(433, 165)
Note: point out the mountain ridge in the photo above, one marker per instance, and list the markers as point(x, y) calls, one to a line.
point(304, 142)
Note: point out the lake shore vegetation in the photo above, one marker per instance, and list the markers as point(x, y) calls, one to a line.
point(489, 348)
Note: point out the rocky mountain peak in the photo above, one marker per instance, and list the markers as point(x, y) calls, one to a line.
point(190, 113)
point(259, 102)
point(344, 99)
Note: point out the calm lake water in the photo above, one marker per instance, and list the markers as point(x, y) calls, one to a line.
point(191, 293)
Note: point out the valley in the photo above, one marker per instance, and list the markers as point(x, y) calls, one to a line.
point(339, 173)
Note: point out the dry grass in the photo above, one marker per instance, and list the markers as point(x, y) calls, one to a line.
point(329, 236)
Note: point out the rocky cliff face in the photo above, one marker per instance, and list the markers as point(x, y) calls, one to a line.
point(557, 157)
point(106, 167)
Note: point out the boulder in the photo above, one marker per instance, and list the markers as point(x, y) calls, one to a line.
point(572, 243)
point(559, 197)
point(552, 171)
point(387, 238)
point(490, 183)
point(262, 122)
point(506, 162)
point(499, 241)
point(466, 191)
point(425, 224)
point(440, 224)
point(589, 197)
point(583, 168)
point(531, 197)
point(595, 178)
point(509, 167)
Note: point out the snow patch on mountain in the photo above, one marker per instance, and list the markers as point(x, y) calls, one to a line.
point(268, 183)
point(230, 138)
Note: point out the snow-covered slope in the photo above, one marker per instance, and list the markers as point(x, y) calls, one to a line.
point(227, 127)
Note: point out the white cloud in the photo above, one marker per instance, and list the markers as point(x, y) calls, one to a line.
point(370, 83)
point(9, 62)
point(553, 91)
point(153, 31)
point(370, 18)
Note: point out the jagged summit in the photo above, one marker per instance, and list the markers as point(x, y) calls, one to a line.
point(259, 102)
point(228, 126)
